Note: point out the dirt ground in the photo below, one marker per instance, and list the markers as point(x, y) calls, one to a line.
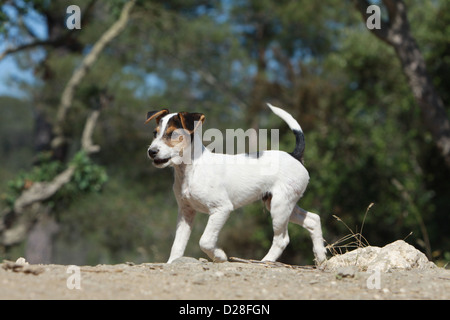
point(203, 280)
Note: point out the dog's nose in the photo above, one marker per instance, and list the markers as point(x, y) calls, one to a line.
point(152, 153)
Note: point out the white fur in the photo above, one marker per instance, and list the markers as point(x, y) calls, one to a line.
point(166, 152)
point(217, 184)
point(292, 123)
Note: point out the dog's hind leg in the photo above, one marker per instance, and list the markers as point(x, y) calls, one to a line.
point(280, 210)
point(208, 241)
point(311, 222)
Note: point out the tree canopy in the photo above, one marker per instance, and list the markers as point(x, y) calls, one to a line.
point(371, 136)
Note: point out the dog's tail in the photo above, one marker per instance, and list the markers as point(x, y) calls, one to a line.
point(296, 129)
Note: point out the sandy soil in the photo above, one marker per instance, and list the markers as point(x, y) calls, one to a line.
point(194, 279)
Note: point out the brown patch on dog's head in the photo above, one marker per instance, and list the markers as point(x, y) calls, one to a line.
point(191, 121)
point(174, 133)
point(180, 128)
point(173, 136)
point(156, 114)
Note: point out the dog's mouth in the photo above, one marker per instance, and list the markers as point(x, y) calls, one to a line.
point(160, 161)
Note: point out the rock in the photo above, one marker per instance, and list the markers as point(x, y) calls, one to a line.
point(400, 255)
point(184, 260)
point(21, 261)
point(361, 258)
point(396, 255)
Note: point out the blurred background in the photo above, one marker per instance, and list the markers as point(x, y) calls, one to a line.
point(76, 186)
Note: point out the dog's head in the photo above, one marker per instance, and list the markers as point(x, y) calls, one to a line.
point(172, 136)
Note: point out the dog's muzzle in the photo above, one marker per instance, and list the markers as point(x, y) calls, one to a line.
point(152, 153)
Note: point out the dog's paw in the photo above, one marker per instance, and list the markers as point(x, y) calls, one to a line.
point(220, 256)
point(320, 260)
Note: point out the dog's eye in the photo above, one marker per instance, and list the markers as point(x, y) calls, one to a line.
point(176, 135)
point(155, 133)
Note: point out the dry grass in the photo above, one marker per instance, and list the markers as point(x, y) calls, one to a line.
point(351, 241)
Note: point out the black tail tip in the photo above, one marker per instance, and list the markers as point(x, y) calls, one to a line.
point(299, 145)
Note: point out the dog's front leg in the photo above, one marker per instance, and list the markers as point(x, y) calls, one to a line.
point(208, 241)
point(185, 221)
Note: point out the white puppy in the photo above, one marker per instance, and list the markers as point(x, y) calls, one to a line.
point(217, 184)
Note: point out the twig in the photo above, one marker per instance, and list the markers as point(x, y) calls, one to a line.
point(364, 220)
point(270, 264)
point(340, 220)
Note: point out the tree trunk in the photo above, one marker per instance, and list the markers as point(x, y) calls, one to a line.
point(433, 110)
point(396, 32)
point(39, 245)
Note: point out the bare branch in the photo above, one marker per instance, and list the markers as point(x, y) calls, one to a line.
point(26, 46)
point(86, 139)
point(41, 191)
point(49, 42)
point(81, 71)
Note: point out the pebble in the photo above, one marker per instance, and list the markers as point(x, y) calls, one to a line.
point(346, 272)
point(22, 261)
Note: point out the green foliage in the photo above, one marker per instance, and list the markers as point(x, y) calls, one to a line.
point(46, 171)
point(87, 177)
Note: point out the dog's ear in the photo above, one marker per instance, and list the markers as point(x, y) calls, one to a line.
point(191, 121)
point(156, 114)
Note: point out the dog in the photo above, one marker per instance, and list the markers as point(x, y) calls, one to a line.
point(217, 184)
